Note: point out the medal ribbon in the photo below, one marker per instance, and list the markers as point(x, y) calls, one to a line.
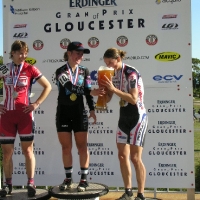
point(15, 75)
point(121, 77)
point(73, 79)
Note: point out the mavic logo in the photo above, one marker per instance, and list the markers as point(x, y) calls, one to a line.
point(167, 56)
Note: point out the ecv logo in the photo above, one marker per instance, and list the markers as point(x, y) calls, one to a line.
point(167, 78)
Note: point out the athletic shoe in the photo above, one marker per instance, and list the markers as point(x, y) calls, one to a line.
point(67, 184)
point(7, 189)
point(82, 186)
point(31, 190)
point(126, 197)
point(139, 198)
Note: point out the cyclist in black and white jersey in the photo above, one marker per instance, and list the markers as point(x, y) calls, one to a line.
point(128, 85)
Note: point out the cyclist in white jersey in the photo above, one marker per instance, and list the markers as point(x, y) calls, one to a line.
point(128, 85)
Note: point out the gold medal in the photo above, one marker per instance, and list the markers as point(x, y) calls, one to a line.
point(15, 94)
point(121, 103)
point(73, 97)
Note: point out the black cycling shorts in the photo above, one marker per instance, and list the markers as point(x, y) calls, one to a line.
point(71, 118)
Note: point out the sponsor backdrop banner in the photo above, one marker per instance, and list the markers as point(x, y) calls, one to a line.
point(156, 34)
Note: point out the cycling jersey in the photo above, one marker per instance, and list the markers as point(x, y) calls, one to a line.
point(18, 81)
point(125, 79)
point(133, 120)
point(22, 77)
point(77, 82)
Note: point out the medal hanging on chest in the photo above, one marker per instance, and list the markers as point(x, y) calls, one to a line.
point(121, 102)
point(15, 94)
point(73, 97)
point(15, 77)
point(74, 80)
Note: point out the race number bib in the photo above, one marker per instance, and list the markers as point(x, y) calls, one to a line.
point(63, 78)
point(4, 70)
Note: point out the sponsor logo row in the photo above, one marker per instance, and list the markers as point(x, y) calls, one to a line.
point(108, 3)
point(83, 4)
point(163, 57)
point(93, 42)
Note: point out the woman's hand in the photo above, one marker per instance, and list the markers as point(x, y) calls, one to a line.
point(108, 84)
point(93, 115)
point(31, 107)
point(98, 92)
point(2, 109)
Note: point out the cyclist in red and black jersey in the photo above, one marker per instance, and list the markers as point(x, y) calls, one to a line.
point(73, 81)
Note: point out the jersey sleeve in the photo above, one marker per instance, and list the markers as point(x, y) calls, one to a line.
point(36, 74)
point(133, 80)
point(89, 98)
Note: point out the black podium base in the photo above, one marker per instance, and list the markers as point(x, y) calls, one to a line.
point(21, 194)
point(94, 190)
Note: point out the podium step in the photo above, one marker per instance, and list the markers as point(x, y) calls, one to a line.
point(93, 192)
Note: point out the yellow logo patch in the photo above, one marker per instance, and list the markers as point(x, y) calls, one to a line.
point(31, 61)
point(167, 56)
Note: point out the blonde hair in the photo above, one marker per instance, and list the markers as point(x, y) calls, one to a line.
point(17, 46)
point(114, 53)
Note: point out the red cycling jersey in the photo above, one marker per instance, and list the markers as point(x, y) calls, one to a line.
point(23, 78)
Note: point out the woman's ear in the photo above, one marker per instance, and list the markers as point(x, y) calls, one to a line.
point(119, 59)
point(12, 52)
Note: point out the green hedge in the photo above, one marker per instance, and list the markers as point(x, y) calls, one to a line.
point(197, 176)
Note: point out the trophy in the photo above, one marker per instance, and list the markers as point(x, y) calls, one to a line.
point(102, 72)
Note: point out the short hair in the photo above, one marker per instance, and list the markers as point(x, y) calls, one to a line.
point(17, 46)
